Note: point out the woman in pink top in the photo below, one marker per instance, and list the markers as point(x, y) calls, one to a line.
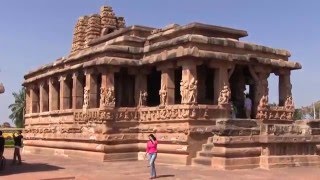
point(152, 150)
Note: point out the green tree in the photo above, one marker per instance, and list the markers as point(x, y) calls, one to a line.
point(298, 114)
point(18, 108)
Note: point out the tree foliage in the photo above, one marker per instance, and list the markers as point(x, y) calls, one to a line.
point(298, 114)
point(309, 110)
point(18, 108)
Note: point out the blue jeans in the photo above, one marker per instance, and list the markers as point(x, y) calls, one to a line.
point(152, 159)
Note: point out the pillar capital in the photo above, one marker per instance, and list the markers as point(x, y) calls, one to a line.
point(89, 71)
point(43, 83)
point(189, 62)
point(168, 65)
point(280, 72)
point(75, 75)
point(107, 69)
point(62, 77)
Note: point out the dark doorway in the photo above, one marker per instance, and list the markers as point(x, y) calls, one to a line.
point(205, 77)
point(177, 80)
point(241, 82)
point(124, 88)
point(153, 87)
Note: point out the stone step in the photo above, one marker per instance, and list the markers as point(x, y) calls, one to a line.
point(210, 140)
point(205, 154)
point(207, 147)
point(204, 161)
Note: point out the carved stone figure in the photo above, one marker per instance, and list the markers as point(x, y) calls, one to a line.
point(86, 98)
point(107, 96)
point(192, 91)
point(224, 96)
point(263, 104)
point(183, 90)
point(188, 91)
point(289, 105)
point(143, 98)
point(163, 95)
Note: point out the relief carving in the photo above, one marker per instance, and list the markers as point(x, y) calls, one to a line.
point(224, 96)
point(188, 91)
point(86, 98)
point(107, 97)
point(163, 94)
point(289, 105)
point(143, 98)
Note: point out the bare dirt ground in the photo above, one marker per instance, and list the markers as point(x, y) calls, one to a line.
point(40, 167)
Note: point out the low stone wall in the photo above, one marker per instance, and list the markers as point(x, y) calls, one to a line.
point(122, 133)
point(246, 144)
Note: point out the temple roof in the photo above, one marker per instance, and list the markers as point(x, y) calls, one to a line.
point(140, 45)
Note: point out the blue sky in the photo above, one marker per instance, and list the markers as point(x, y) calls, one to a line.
point(36, 32)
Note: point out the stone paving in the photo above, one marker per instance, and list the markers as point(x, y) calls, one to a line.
point(40, 167)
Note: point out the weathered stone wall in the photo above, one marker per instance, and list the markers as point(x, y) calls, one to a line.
point(244, 144)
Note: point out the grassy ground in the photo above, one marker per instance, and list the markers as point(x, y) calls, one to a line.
point(9, 143)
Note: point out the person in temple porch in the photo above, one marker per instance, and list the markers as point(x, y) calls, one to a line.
point(248, 106)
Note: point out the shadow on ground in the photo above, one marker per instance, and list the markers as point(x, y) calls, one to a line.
point(26, 168)
point(165, 176)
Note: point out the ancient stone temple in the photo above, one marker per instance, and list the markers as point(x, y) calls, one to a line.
point(119, 84)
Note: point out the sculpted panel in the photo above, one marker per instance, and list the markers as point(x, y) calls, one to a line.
point(107, 97)
point(225, 95)
point(188, 91)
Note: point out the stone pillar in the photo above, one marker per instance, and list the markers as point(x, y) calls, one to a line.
point(44, 97)
point(92, 86)
point(260, 76)
point(107, 91)
point(284, 86)
point(28, 100)
point(167, 89)
point(221, 79)
point(53, 95)
point(77, 91)
point(141, 88)
point(34, 100)
point(65, 92)
point(189, 82)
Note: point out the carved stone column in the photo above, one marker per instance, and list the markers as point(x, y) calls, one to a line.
point(260, 76)
point(65, 92)
point(189, 82)
point(107, 90)
point(44, 97)
point(167, 88)
point(91, 89)
point(221, 80)
point(28, 100)
point(34, 100)
point(284, 86)
point(53, 95)
point(77, 91)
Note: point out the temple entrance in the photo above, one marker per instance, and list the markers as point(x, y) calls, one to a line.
point(242, 83)
point(124, 88)
point(153, 87)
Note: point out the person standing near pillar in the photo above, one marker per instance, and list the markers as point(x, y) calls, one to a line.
point(17, 147)
point(248, 106)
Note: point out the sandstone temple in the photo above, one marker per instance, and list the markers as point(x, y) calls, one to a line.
point(120, 83)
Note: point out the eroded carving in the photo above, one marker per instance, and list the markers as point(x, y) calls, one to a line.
point(225, 95)
point(188, 91)
point(107, 97)
point(143, 98)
